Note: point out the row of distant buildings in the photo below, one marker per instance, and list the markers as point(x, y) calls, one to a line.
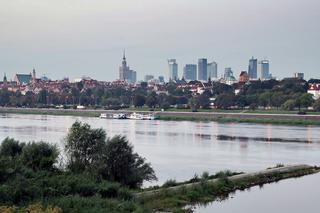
point(204, 70)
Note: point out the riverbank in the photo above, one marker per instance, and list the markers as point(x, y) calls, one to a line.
point(205, 189)
point(227, 117)
point(52, 191)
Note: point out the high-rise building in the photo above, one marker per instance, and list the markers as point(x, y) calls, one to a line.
point(212, 69)
point(253, 68)
point(202, 69)
point(173, 69)
point(264, 69)
point(125, 74)
point(133, 76)
point(299, 75)
point(190, 72)
point(161, 79)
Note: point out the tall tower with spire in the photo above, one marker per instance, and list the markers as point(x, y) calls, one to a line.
point(34, 75)
point(124, 60)
point(5, 80)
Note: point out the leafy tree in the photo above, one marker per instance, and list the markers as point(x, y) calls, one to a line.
point(277, 99)
point(39, 156)
point(42, 97)
point(88, 150)
point(123, 165)
point(225, 101)
point(289, 104)
point(306, 100)
point(84, 147)
point(139, 100)
point(111, 102)
point(203, 101)
point(316, 105)
point(4, 97)
point(265, 99)
point(11, 148)
point(220, 88)
point(194, 104)
point(152, 100)
point(241, 101)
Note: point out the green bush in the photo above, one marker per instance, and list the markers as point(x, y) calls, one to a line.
point(39, 156)
point(170, 183)
point(109, 190)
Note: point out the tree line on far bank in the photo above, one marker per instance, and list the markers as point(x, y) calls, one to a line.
point(288, 94)
point(95, 175)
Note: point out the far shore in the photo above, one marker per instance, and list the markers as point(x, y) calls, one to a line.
point(263, 117)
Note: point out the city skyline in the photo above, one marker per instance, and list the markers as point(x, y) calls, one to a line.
point(76, 38)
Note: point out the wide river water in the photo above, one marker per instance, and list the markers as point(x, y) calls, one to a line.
point(180, 149)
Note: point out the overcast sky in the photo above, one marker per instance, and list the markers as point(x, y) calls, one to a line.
point(86, 37)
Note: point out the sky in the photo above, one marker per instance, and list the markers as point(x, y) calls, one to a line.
point(74, 38)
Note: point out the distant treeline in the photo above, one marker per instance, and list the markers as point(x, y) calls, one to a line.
point(287, 94)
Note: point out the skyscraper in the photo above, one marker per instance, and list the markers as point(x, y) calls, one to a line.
point(125, 74)
point(202, 69)
point(253, 68)
point(133, 76)
point(190, 72)
point(212, 69)
point(264, 69)
point(173, 69)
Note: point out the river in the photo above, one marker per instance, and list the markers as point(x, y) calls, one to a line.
point(180, 149)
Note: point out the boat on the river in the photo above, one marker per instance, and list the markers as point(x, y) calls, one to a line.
point(138, 116)
point(103, 116)
point(119, 116)
point(132, 116)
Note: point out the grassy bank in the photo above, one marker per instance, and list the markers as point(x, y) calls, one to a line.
point(49, 112)
point(293, 122)
point(193, 116)
point(57, 192)
point(175, 199)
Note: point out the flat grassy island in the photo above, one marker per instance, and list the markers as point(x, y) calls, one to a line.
point(99, 174)
point(277, 117)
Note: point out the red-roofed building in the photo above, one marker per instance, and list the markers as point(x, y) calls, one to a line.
point(244, 77)
point(314, 89)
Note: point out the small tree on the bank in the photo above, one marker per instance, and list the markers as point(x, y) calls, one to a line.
point(122, 165)
point(84, 147)
point(89, 150)
point(316, 105)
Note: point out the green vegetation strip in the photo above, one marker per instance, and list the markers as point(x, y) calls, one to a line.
point(54, 112)
point(187, 116)
point(175, 199)
point(293, 122)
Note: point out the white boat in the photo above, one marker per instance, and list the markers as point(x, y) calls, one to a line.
point(103, 116)
point(119, 116)
point(149, 117)
point(136, 116)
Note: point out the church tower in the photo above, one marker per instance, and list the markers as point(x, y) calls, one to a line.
point(34, 75)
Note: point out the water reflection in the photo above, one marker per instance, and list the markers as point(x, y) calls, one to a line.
point(178, 150)
point(293, 195)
